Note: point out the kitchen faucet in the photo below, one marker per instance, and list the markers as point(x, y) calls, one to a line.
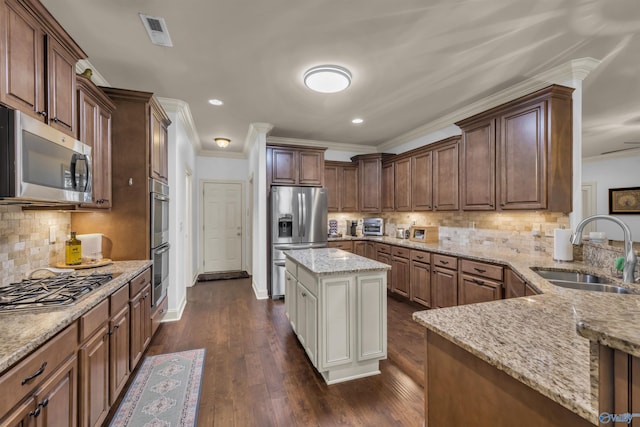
point(630, 259)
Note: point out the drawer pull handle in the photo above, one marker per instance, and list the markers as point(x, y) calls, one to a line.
point(444, 262)
point(420, 257)
point(44, 403)
point(35, 374)
point(304, 294)
point(35, 413)
point(479, 270)
point(479, 282)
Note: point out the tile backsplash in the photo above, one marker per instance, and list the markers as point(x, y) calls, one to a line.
point(24, 241)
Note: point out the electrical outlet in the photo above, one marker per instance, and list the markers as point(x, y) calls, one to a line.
point(52, 234)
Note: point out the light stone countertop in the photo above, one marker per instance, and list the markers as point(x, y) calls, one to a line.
point(329, 261)
point(542, 340)
point(23, 331)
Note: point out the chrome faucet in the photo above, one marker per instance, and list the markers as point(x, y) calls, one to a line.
point(630, 259)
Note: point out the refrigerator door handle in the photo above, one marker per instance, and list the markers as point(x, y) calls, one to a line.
point(304, 214)
point(300, 221)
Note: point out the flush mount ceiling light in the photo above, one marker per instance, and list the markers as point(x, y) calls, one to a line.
point(357, 121)
point(327, 78)
point(216, 102)
point(222, 142)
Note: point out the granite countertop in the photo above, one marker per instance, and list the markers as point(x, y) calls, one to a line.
point(21, 332)
point(328, 261)
point(542, 340)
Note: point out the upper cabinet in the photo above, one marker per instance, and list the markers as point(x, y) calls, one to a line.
point(38, 59)
point(445, 176)
point(292, 165)
point(532, 141)
point(341, 182)
point(159, 167)
point(402, 185)
point(94, 129)
point(388, 187)
point(421, 181)
point(370, 170)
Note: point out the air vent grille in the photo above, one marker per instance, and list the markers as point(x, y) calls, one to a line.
point(157, 30)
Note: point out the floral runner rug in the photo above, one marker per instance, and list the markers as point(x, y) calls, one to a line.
point(165, 392)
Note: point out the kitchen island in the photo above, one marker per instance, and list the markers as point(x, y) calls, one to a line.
point(336, 303)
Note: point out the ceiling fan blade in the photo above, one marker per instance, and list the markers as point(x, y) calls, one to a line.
point(621, 149)
point(634, 142)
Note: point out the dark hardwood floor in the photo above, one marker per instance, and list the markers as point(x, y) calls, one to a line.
point(257, 374)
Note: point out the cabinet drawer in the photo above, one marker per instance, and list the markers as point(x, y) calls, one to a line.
point(308, 280)
point(490, 271)
point(400, 252)
point(28, 374)
point(291, 267)
point(385, 249)
point(139, 282)
point(445, 261)
point(119, 299)
point(92, 320)
point(344, 245)
point(158, 314)
point(421, 256)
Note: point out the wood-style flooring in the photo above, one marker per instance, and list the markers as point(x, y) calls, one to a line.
point(257, 374)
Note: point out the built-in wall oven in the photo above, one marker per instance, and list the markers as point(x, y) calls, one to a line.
point(159, 239)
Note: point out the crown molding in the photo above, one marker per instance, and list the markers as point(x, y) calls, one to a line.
point(223, 154)
point(255, 129)
point(577, 69)
point(338, 146)
point(96, 77)
point(183, 112)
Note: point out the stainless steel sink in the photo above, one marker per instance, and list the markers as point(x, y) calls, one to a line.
point(582, 281)
point(570, 276)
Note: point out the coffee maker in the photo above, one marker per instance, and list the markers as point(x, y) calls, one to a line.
point(351, 227)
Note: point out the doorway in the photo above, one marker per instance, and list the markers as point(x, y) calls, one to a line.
point(222, 225)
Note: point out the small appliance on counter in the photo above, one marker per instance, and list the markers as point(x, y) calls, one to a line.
point(373, 227)
point(333, 228)
point(402, 233)
point(352, 226)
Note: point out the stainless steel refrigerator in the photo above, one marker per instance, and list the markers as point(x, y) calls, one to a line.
point(298, 221)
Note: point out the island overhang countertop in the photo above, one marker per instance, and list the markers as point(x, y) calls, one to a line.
point(325, 261)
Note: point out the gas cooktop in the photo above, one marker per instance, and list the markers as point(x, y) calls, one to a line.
point(60, 290)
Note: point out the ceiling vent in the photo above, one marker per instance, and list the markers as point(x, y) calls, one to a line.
point(157, 30)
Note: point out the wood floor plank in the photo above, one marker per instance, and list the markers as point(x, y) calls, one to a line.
point(256, 373)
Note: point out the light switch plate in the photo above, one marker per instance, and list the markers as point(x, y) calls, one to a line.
point(52, 234)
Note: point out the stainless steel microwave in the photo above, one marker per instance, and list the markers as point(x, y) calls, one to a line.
point(41, 164)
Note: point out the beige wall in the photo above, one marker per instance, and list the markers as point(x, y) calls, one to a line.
point(24, 241)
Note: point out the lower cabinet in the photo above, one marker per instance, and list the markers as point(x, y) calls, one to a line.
point(400, 271)
point(290, 309)
point(360, 248)
point(444, 281)
point(94, 378)
point(345, 245)
point(340, 321)
point(515, 287)
point(383, 254)
point(420, 278)
point(479, 282)
point(140, 312)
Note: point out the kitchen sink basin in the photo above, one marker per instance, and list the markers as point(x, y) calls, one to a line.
point(570, 276)
point(581, 281)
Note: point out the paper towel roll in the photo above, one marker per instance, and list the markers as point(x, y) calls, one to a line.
point(562, 247)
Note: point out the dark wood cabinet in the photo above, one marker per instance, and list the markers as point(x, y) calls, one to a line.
point(38, 61)
point(360, 248)
point(445, 177)
point(534, 143)
point(479, 282)
point(514, 286)
point(478, 166)
point(94, 378)
point(371, 250)
point(159, 122)
point(94, 129)
point(140, 309)
point(370, 181)
point(341, 182)
point(383, 254)
point(420, 278)
point(293, 165)
point(444, 281)
point(402, 185)
point(422, 181)
point(400, 271)
point(118, 353)
point(345, 245)
point(388, 187)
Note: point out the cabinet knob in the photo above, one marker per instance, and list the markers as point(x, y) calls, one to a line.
point(35, 413)
point(44, 403)
point(304, 294)
point(42, 113)
point(55, 120)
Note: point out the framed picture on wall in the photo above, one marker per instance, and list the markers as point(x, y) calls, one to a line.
point(624, 201)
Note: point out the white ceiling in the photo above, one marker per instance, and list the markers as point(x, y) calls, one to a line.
point(413, 61)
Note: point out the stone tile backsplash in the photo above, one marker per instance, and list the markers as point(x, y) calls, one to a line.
point(24, 241)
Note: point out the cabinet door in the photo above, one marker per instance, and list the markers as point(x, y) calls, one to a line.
point(61, 71)
point(477, 167)
point(421, 182)
point(94, 379)
point(474, 289)
point(118, 353)
point(57, 398)
point(522, 161)
point(444, 283)
point(420, 278)
point(311, 168)
point(22, 61)
point(135, 333)
point(102, 158)
point(388, 190)
point(371, 250)
point(284, 166)
point(402, 185)
point(301, 314)
point(23, 415)
point(370, 185)
point(158, 147)
point(307, 321)
point(146, 317)
point(360, 248)
point(514, 286)
point(290, 293)
point(331, 184)
point(445, 178)
point(400, 276)
point(349, 189)
point(386, 258)
point(371, 315)
point(337, 321)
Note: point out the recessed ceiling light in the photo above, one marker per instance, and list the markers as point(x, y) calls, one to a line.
point(327, 78)
point(222, 142)
point(357, 121)
point(216, 102)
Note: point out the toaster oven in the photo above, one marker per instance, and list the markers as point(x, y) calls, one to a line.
point(373, 226)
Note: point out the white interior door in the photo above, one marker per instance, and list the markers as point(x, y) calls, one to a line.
point(222, 223)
